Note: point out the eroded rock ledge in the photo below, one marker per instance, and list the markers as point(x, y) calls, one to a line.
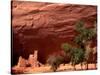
point(44, 26)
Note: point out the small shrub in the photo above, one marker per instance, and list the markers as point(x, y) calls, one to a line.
point(55, 61)
point(66, 47)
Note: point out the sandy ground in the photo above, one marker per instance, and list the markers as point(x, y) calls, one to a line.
point(43, 69)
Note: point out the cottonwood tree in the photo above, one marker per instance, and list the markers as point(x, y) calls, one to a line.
point(76, 54)
point(85, 35)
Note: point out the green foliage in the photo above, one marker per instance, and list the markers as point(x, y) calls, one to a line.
point(85, 34)
point(79, 26)
point(66, 47)
point(55, 61)
point(78, 40)
point(77, 56)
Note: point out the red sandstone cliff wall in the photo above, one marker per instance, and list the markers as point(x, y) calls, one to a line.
point(44, 26)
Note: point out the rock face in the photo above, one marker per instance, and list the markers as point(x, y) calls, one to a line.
point(45, 26)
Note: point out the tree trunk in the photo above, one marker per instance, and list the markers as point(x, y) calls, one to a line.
point(74, 67)
point(86, 66)
point(54, 68)
point(95, 66)
point(81, 66)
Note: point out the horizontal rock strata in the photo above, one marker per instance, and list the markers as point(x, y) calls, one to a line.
point(45, 26)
